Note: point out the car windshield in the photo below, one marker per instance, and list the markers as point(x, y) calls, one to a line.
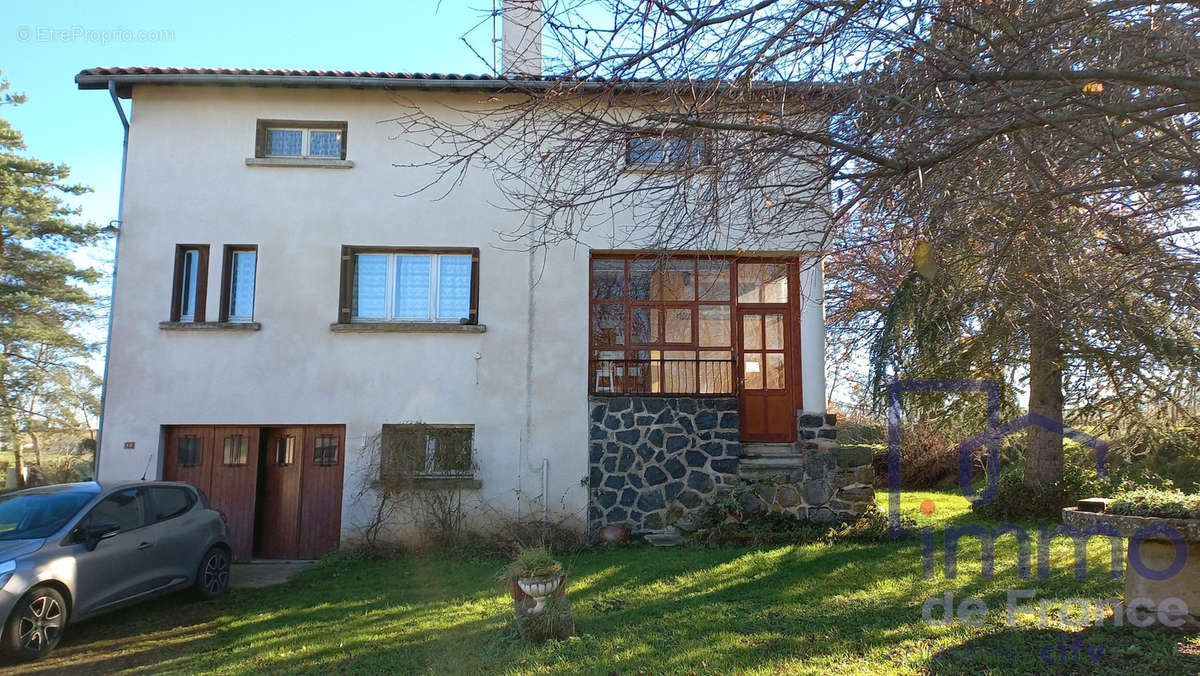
point(38, 515)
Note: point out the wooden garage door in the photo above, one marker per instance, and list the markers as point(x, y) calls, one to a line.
point(321, 490)
point(222, 462)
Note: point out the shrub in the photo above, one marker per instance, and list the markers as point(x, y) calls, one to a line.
point(532, 562)
point(776, 528)
point(1016, 500)
point(927, 459)
point(1155, 502)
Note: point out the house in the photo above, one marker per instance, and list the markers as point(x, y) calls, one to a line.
point(278, 310)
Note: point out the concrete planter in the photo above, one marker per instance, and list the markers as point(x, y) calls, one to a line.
point(1158, 554)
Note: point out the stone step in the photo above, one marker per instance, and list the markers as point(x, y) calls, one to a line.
point(760, 473)
point(767, 450)
point(668, 537)
point(776, 462)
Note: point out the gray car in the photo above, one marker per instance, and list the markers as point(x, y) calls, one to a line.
point(71, 551)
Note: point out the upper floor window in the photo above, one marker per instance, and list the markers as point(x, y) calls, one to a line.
point(237, 287)
point(667, 150)
point(301, 138)
point(191, 281)
point(412, 285)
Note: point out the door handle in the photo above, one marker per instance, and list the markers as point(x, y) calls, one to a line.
point(144, 545)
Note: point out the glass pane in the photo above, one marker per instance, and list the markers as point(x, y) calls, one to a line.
point(412, 286)
point(640, 273)
point(716, 372)
point(370, 286)
point(608, 324)
point(752, 332)
point(679, 325)
point(454, 287)
point(774, 289)
point(646, 325)
point(775, 371)
point(323, 143)
point(675, 280)
point(679, 372)
point(241, 285)
point(645, 150)
point(713, 280)
point(191, 451)
point(762, 282)
point(191, 271)
point(774, 331)
point(285, 451)
point(714, 326)
point(325, 450)
point(608, 279)
point(236, 449)
point(754, 375)
point(285, 142)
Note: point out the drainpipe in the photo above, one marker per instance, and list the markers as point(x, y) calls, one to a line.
point(114, 226)
point(545, 499)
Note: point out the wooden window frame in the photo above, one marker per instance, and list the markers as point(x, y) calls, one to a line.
point(201, 283)
point(346, 286)
point(732, 261)
point(304, 126)
point(227, 281)
point(179, 451)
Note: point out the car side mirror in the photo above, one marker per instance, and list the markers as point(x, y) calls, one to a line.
point(93, 534)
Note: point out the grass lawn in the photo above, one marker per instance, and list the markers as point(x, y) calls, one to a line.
point(817, 609)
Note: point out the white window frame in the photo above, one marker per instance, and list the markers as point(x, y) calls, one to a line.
point(666, 163)
point(189, 285)
point(390, 288)
point(305, 133)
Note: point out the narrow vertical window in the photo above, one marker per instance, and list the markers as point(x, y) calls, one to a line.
point(238, 294)
point(325, 450)
point(191, 281)
point(237, 449)
point(191, 267)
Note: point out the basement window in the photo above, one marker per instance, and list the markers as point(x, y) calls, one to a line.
point(419, 450)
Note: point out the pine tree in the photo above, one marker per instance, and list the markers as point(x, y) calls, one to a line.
point(43, 294)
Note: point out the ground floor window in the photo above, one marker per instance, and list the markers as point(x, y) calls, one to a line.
point(423, 450)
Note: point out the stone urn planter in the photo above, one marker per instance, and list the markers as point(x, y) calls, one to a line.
point(1165, 569)
point(538, 586)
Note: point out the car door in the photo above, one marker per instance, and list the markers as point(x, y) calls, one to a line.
point(117, 569)
point(179, 534)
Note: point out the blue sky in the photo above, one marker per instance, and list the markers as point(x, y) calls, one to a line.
point(44, 44)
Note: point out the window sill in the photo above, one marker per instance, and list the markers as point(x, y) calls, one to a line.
point(320, 162)
point(434, 483)
point(406, 327)
point(668, 169)
point(210, 326)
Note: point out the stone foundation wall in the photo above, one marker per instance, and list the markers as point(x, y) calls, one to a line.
point(825, 482)
point(653, 460)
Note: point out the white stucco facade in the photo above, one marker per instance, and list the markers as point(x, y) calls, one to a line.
point(523, 383)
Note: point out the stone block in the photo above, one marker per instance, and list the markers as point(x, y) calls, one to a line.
point(677, 443)
point(618, 404)
point(615, 481)
point(854, 456)
point(810, 420)
point(655, 438)
point(628, 436)
point(652, 500)
point(675, 468)
point(724, 465)
point(700, 482)
point(817, 492)
point(654, 476)
point(706, 420)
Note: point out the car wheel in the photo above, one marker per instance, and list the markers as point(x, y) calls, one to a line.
point(35, 625)
point(212, 579)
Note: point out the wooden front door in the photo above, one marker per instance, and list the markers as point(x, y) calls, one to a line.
point(321, 490)
point(278, 520)
point(765, 380)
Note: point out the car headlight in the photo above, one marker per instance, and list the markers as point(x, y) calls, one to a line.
point(6, 572)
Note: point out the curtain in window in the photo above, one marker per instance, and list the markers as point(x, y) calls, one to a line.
point(241, 292)
point(325, 143)
point(412, 287)
point(370, 286)
point(454, 287)
point(285, 142)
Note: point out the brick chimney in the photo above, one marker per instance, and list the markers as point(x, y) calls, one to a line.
point(521, 47)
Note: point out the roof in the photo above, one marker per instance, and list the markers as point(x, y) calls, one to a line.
point(125, 77)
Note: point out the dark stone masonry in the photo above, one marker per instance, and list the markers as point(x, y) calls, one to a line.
point(655, 460)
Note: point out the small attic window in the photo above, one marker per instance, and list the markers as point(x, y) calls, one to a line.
point(300, 139)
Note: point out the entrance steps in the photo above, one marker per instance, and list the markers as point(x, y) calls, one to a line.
point(766, 461)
